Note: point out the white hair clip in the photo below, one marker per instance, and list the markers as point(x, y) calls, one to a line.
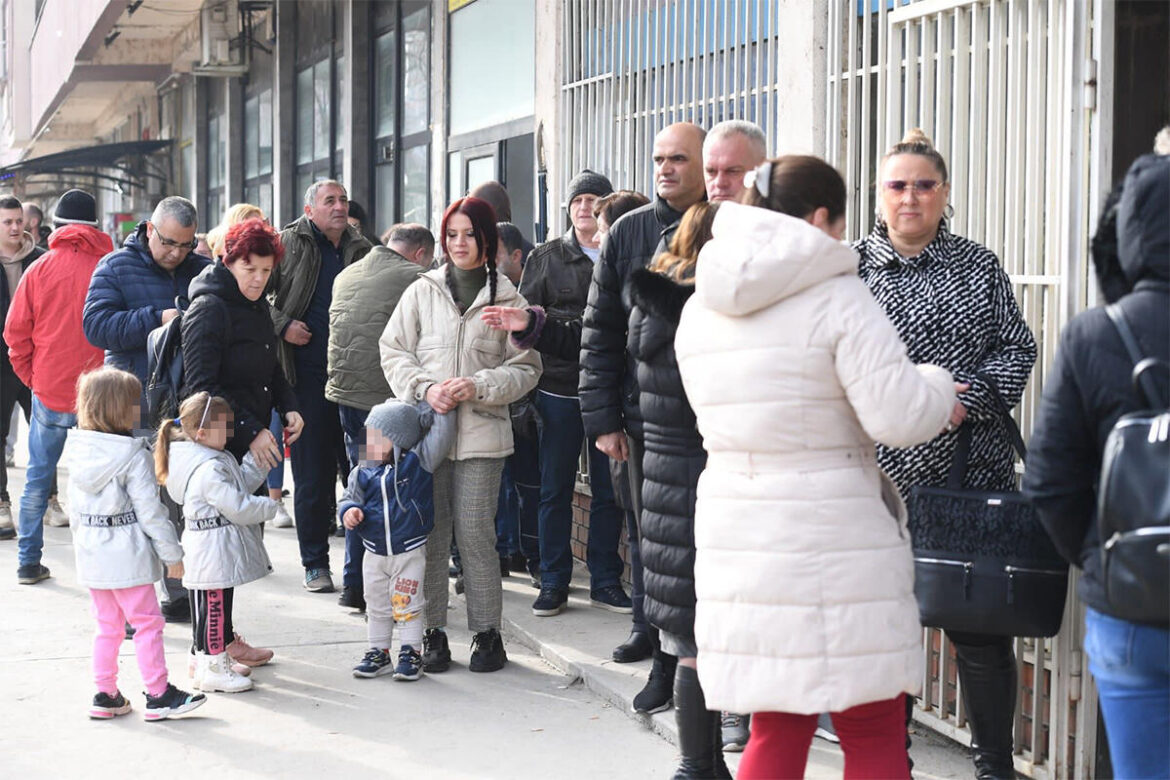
point(760, 177)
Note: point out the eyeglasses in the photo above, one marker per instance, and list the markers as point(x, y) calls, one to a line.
point(918, 186)
point(169, 244)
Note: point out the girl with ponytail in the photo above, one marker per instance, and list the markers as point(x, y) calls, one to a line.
point(436, 348)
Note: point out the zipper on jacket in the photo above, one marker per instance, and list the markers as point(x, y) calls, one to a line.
point(386, 508)
point(968, 570)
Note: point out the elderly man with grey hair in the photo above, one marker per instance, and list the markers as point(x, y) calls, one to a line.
point(730, 150)
point(134, 290)
point(318, 245)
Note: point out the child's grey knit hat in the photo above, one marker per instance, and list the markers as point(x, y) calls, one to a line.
point(398, 421)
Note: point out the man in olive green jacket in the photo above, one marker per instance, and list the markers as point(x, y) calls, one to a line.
point(317, 247)
point(364, 297)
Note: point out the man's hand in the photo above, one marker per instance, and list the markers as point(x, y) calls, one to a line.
point(166, 315)
point(352, 518)
point(439, 399)
point(460, 388)
point(294, 424)
point(265, 451)
point(175, 571)
point(297, 333)
point(614, 445)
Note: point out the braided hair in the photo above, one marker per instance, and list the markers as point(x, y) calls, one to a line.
point(487, 238)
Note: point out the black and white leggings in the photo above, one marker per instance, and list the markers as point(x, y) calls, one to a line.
point(211, 619)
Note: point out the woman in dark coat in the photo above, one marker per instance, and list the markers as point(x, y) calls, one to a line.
point(229, 347)
point(953, 306)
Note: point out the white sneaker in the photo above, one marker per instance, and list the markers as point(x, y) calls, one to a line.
point(54, 515)
point(215, 673)
point(194, 669)
point(283, 519)
point(5, 515)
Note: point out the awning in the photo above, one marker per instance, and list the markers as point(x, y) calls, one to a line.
point(88, 160)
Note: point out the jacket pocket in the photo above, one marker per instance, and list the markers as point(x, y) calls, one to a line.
point(489, 353)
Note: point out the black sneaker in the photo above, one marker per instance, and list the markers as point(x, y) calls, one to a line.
point(7, 533)
point(658, 695)
point(32, 573)
point(505, 567)
point(518, 563)
point(551, 601)
point(374, 663)
point(353, 598)
point(487, 652)
point(106, 706)
point(612, 598)
point(172, 702)
point(436, 655)
point(176, 611)
point(735, 731)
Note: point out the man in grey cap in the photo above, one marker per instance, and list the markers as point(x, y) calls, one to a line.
point(557, 277)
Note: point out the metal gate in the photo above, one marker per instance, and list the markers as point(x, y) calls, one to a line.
point(1005, 90)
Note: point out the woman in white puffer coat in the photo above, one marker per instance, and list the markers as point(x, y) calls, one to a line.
point(804, 574)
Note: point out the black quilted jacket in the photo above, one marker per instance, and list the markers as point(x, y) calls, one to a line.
point(674, 455)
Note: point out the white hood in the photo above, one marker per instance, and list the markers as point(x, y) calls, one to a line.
point(94, 458)
point(184, 458)
point(758, 257)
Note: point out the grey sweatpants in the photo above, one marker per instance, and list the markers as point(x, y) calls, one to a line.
point(466, 496)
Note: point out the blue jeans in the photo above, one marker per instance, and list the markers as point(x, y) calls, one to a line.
point(276, 473)
point(314, 468)
point(517, 519)
point(561, 436)
point(46, 440)
point(1131, 664)
point(353, 425)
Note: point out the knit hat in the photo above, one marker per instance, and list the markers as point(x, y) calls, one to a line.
point(588, 182)
point(76, 208)
point(400, 422)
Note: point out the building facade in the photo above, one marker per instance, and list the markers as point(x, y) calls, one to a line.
point(411, 104)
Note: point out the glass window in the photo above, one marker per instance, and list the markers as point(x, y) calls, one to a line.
point(251, 137)
point(342, 116)
point(416, 40)
point(479, 170)
point(454, 175)
point(476, 39)
point(305, 116)
point(384, 85)
point(265, 123)
point(414, 185)
point(384, 193)
point(321, 106)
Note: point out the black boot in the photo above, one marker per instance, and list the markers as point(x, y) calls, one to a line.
point(637, 648)
point(699, 737)
point(659, 691)
point(987, 673)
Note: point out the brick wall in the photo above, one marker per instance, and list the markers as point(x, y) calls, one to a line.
point(581, 499)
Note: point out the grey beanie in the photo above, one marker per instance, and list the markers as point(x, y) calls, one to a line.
point(399, 421)
point(588, 182)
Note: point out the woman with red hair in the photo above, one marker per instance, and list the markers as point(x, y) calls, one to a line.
point(437, 348)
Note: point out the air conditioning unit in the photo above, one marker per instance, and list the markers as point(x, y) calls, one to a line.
point(224, 50)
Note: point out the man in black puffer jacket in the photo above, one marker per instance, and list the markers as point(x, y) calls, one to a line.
point(609, 388)
point(1087, 390)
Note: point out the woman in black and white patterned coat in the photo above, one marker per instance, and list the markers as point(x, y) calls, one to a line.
point(953, 306)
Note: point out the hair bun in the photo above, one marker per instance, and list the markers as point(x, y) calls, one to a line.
point(916, 136)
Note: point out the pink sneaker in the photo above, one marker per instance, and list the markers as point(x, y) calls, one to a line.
point(243, 653)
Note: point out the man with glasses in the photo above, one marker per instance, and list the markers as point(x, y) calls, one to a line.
point(132, 292)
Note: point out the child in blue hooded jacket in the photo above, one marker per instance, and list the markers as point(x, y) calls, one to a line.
point(389, 502)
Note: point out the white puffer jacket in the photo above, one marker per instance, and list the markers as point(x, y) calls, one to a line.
point(122, 536)
point(222, 539)
point(427, 340)
point(804, 575)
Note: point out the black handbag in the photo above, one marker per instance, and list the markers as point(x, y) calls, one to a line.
point(982, 561)
point(1133, 498)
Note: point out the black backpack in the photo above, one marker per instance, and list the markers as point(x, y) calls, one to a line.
point(1133, 498)
point(164, 368)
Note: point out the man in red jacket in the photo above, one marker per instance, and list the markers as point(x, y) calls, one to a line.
point(48, 351)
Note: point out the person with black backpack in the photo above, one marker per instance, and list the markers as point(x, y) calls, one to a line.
point(1089, 389)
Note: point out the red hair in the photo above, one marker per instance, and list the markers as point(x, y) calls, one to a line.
point(483, 226)
point(252, 237)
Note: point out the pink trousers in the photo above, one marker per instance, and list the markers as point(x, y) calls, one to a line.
point(113, 609)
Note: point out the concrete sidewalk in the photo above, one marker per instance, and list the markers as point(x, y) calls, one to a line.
point(579, 642)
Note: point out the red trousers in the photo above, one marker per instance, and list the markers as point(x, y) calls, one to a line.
point(873, 738)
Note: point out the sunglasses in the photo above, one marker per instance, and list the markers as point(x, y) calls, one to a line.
point(917, 186)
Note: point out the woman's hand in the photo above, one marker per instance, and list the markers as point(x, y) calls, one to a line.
point(439, 399)
point(460, 388)
point(959, 413)
point(264, 450)
point(294, 424)
point(506, 318)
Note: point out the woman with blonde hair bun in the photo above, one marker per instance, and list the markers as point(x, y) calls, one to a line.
point(235, 214)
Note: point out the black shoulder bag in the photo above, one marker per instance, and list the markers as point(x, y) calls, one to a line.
point(1133, 498)
point(982, 561)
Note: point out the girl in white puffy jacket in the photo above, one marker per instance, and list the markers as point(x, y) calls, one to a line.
point(222, 542)
point(122, 539)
